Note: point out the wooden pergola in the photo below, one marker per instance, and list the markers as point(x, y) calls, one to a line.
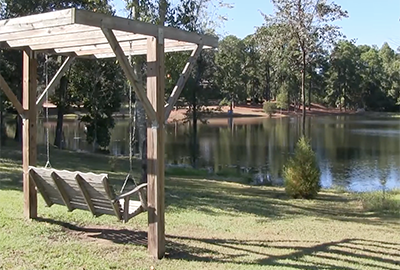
point(78, 33)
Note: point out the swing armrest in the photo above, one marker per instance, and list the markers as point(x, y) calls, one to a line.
point(133, 191)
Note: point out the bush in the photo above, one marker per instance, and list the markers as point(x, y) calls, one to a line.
point(301, 173)
point(282, 101)
point(269, 108)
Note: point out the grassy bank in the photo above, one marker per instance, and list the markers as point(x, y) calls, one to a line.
point(210, 224)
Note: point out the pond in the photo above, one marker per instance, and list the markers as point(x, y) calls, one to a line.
point(358, 153)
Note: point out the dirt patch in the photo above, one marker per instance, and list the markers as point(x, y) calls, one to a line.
point(106, 235)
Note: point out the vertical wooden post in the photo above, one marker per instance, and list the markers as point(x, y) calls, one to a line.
point(29, 131)
point(155, 147)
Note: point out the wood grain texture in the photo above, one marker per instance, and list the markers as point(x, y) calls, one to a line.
point(156, 149)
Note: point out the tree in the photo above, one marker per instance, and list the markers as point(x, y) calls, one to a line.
point(230, 62)
point(308, 22)
point(343, 77)
point(99, 86)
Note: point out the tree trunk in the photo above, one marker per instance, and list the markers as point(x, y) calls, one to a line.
point(141, 126)
point(58, 140)
point(309, 91)
point(3, 133)
point(18, 129)
point(267, 94)
point(18, 122)
point(194, 134)
point(303, 93)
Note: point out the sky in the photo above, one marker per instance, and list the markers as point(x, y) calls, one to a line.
point(370, 22)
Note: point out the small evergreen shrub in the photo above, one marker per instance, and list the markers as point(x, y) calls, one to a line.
point(301, 174)
point(269, 108)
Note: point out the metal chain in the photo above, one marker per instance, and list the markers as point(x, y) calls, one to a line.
point(132, 130)
point(48, 165)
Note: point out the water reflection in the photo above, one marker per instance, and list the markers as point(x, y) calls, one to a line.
point(355, 152)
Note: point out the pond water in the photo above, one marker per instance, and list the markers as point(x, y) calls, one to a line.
point(359, 153)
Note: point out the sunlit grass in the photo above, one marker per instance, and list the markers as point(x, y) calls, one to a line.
point(210, 224)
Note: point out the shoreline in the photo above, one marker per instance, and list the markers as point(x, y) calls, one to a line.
point(218, 114)
point(253, 112)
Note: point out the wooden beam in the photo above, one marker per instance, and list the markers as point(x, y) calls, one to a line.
point(29, 143)
point(108, 53)
point(156, 148)
point(85, 193)
point(58, 181)
point(101, 55)
point(54, 82)
point(133, 26)
point(182, 81)
point(129, 73)
point(11, 96)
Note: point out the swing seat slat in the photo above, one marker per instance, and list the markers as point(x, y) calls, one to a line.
point(87, 191)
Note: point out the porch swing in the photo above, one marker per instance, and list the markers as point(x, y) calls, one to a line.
point(89, 191)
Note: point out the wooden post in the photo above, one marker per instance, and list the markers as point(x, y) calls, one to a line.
point(155, 147)
point(29, 150)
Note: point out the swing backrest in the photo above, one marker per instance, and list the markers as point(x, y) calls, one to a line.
point(76, 190)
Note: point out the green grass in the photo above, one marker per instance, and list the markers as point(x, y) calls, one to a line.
point(386, 202)
point(210, 224)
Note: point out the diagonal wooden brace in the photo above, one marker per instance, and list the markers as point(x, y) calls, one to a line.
point(12, 97)
point(129, 73)
point(54, 82)
point(182, 81)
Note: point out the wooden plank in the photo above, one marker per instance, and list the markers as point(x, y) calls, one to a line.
point(182, 81)
point(38, 180)
point(96, 38)
point(115, 203)
point(138, 44)
point(11, 96)
point(58, 181)
point(155, 149)
point(54, 82)
point(81, 183)
point(47, 32)
point(126, 209)
point(129, 73)
point(138, 27)
point(29, 143)
point(37, 21)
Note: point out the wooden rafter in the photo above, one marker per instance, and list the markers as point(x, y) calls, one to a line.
point(130, 74)
point(11, 96)
point(54, 82)
point(133, 26)
point(182, 81)
point(73, 30)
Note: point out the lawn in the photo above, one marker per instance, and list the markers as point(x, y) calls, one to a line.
point(210, 224)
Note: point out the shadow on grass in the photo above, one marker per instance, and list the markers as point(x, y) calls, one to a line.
point(118, 236)
point(328, 255)
point(198, 194)
point(345, 254)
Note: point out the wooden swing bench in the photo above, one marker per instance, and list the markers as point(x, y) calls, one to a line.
point(87, 191)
